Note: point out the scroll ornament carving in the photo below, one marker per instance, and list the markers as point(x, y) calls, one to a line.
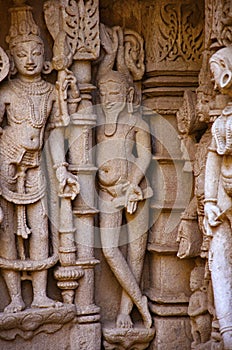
point(221, 20)
point(132, 50)
point(79, 20)
point(180, 32)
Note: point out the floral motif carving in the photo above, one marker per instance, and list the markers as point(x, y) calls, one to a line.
point(80, 23)
point(181, 32)
point(221, 20)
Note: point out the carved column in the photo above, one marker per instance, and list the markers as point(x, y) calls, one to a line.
point(80, 23)
point(84, 207)
point(173, 33)
point(82, 163)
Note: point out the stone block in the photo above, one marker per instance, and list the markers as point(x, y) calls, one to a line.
point(169, 278)
point(172, 333)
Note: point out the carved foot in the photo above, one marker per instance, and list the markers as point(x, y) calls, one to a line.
point(16, 305)
point(42, 301)
point(146, 313)
point(124, 321)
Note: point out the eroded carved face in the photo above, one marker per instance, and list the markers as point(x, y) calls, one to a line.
point(195, 283)
point(220, 65)
point(203, 107)
point(113, 96)
point(28, 58)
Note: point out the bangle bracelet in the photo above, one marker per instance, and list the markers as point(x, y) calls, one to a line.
point(58, 165)
point(213, 200)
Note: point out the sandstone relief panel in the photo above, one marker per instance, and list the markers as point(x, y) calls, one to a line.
point(175, 31)
point(85, 86)
point(123, 188)
point(48, 194)
point(37, 186)
point(209, 184)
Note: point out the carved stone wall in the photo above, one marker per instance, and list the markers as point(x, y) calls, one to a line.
point(171, 69)
point(128, 86)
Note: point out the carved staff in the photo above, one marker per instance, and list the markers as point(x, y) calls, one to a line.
point(68, 97)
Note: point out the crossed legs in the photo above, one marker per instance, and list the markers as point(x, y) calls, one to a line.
point(127, 270)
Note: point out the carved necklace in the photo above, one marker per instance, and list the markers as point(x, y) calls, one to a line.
point(222, 131)
point(26, 91)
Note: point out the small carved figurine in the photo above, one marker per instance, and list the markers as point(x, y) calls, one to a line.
point(27, 107)
point(123, 189)
point(198, 308)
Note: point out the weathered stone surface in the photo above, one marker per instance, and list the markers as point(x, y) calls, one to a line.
point(120, 339)
point(172, 333)
point(114, 103)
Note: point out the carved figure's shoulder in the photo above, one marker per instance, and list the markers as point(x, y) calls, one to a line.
point(6, 92)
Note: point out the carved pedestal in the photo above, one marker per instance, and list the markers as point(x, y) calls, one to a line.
point(127, 339)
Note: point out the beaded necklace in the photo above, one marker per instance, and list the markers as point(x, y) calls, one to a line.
point(34, 89)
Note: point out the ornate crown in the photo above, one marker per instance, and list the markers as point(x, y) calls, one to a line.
point(23, 27)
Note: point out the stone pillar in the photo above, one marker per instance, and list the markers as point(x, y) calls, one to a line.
point(82, 163)
point(79, 25)
point(173, 64)
point(81, 158)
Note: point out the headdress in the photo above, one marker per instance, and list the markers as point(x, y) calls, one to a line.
point(23, 27)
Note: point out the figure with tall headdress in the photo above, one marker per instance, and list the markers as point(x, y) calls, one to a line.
point(27, 109)
point(123, 156)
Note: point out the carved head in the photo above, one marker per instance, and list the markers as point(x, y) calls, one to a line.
point(115, 92)
point(197, 278)
point(221, 67)
point(28, 58)
point(25, 44)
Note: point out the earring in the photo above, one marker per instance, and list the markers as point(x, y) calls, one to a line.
point(47, 67)
point(226, 79)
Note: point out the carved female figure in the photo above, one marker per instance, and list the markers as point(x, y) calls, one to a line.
point(28, 102)
point(121, 177)
point(218, 197)
point(198, 308)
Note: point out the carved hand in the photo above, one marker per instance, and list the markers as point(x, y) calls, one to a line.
point(211, 214)
point(69, 186)
point(133, 195)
